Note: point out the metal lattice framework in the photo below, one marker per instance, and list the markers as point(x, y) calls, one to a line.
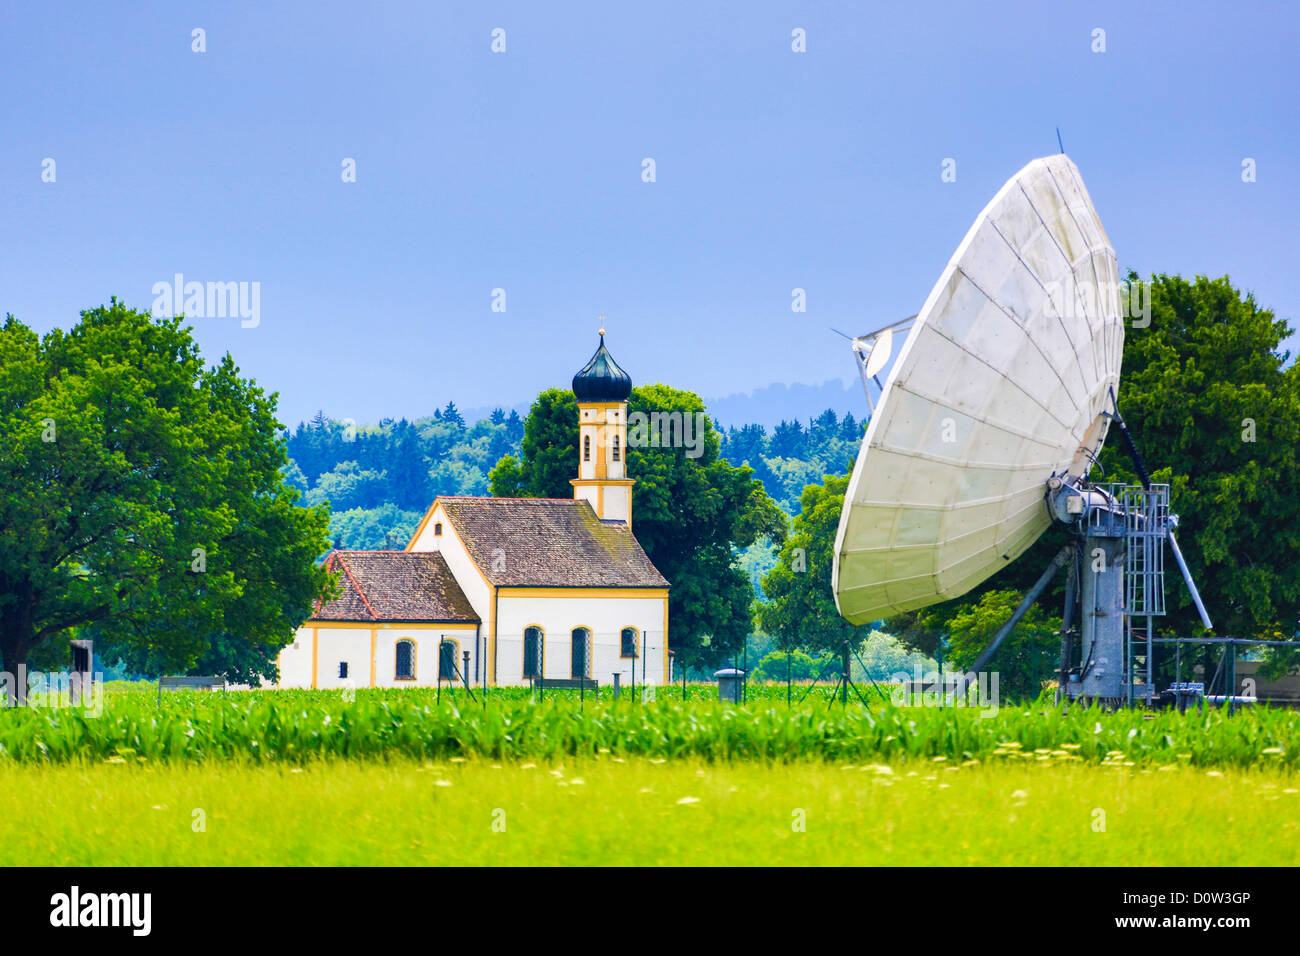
point(1147, 514)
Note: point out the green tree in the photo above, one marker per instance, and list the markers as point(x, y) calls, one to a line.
point(800, 606)
point(549, 450)
point(796, 665)
point(691, 514)
point(1215, 411)
point(1026, 660)
point(143, 495)
point(386, 528)
point(506, 480)
point(348, 486)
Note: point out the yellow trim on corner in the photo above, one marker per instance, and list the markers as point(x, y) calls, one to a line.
point(492, 633)
point(667, 666)
point(391, 625)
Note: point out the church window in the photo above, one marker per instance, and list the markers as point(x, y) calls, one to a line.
point(628, 642)
point(616, 448)
point(405, 669)
point(447, 653)
point(580, 664)
point(437, 529)
point(533, 651)
point(586, 448)
point(343, 669)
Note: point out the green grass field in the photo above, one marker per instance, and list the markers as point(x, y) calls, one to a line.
point(608, 810)
point(400, 777)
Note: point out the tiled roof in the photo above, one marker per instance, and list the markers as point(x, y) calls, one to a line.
point(549, 542)
point(395, 586)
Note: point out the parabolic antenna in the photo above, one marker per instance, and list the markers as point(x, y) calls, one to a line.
point(1002, 383)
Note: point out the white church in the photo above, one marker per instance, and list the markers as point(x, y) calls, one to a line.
point(505, 591)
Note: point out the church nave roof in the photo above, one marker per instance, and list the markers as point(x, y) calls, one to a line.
point(405, 586)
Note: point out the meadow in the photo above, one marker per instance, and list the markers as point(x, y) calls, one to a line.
point(608, 810)
point(402, 777)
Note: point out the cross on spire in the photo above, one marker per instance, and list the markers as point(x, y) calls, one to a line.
point(602, 324)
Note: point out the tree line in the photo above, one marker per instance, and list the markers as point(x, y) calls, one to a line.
point(154, 503)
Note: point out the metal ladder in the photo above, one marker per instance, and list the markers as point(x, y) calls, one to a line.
point(1147, 524)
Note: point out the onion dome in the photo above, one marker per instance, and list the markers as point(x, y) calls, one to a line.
point(601, 380)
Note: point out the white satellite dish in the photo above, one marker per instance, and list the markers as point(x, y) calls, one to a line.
point(883, 348)
point(1003, 381)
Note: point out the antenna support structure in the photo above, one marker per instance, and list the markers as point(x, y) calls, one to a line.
point(1116, 588)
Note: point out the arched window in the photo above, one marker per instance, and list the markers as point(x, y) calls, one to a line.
point(405, 660)
point(616, 448)
point(533, 650)
point(448, 663)
point(628, 642)
point(437, 529)
point(586, 448)
point(580, 662)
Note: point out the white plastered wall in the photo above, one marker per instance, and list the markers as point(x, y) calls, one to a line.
point(605, 616)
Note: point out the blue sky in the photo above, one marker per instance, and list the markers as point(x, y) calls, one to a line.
point(522, 170)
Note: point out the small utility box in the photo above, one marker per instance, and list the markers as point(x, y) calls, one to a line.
point(730, 683)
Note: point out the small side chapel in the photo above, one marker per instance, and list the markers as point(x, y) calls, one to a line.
point(502, 591)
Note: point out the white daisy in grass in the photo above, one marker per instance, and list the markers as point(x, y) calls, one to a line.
point(687, 800)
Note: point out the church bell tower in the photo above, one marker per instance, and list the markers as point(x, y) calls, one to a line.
point(602, 390)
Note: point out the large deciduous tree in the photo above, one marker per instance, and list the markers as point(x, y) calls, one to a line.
point(1215, 410)
point(799, 610)
point(142, 496)
point(690, 512)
